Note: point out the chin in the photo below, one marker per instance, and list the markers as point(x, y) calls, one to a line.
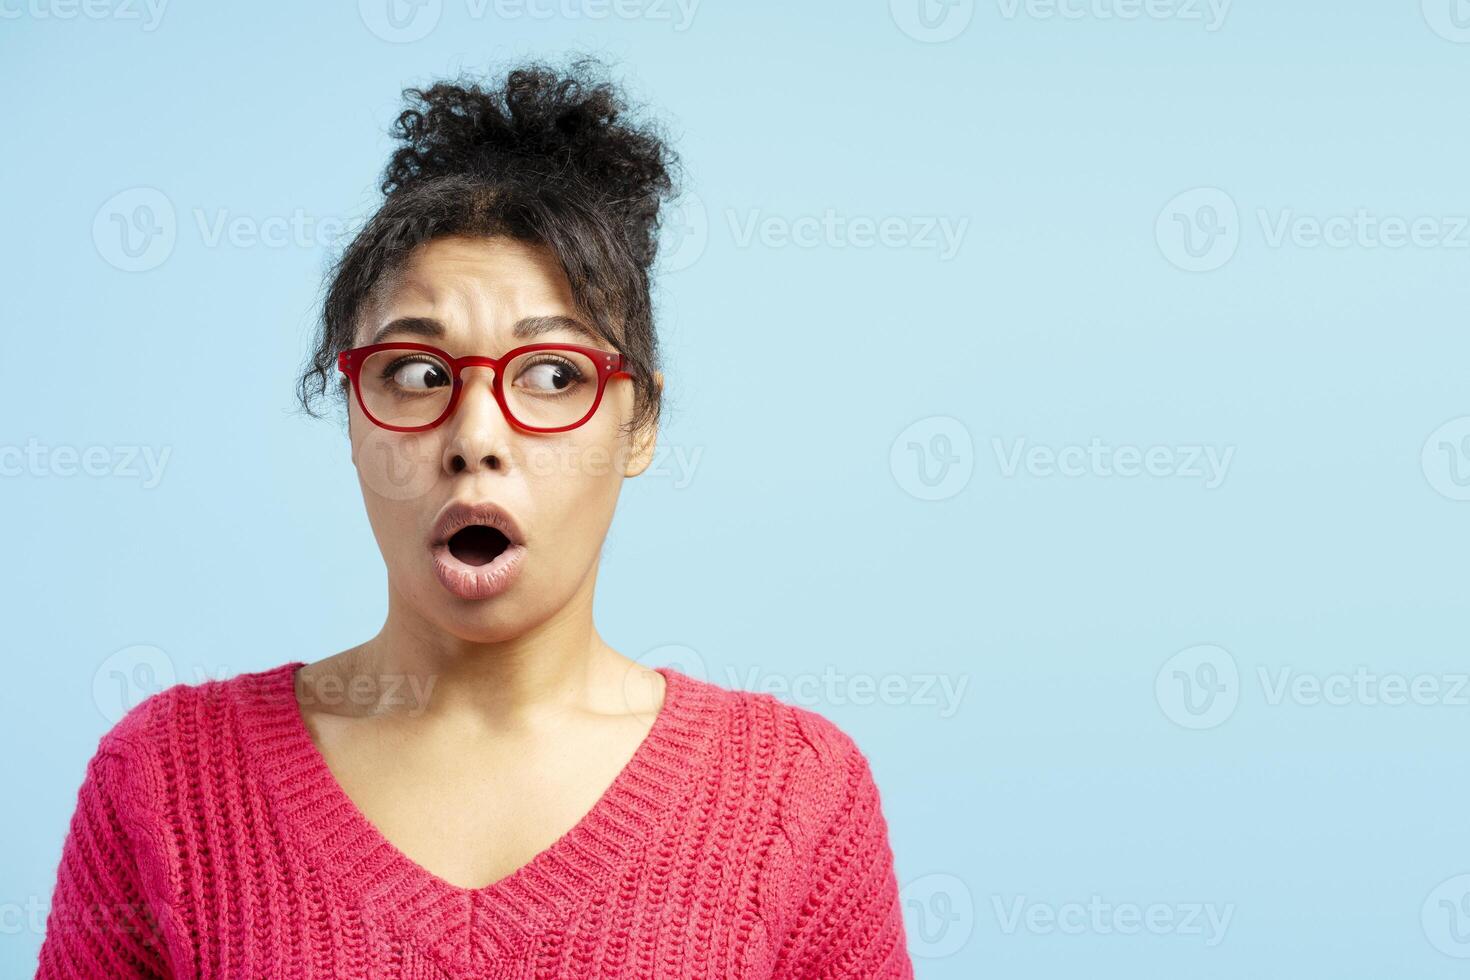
point(473, 628)
point(517, 610)
point(476, 621)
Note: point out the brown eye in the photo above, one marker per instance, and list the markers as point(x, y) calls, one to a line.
point(548, 376)
point(419, 375)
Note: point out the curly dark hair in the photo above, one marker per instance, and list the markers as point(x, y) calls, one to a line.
point(548, 158)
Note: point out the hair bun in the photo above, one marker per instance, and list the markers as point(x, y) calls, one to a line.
point(563, 128)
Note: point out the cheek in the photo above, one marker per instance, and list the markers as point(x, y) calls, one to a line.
point(393, 467)
point(574, 481)
point(396, 471)
point(572, 471)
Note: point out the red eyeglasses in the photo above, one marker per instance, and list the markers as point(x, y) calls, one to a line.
point(411, 387)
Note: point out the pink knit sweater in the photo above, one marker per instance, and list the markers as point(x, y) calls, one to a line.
point(743, 840)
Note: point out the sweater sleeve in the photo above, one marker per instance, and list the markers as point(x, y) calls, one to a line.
point(101, 923)
point(850, 925)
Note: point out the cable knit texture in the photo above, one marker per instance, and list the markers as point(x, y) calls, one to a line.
point(744, 839)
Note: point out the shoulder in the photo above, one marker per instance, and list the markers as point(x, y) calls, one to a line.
point(187, 710)
point(812, 767)
point(810, 791)
point(810, 736)
point(149, 766)
point(800, 733)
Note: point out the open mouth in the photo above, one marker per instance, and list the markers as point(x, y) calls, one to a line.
point(477, 561)
point(478, 544)
point(477, 549)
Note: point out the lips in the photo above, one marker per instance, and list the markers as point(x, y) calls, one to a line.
point(477, 549)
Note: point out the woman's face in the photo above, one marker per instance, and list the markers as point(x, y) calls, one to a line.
point(466, 296)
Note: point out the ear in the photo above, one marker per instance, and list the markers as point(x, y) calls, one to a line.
point(346, 393)
point(640, 453)
point(351, 442)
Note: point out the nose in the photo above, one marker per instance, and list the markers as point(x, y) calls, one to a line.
point(479, 433)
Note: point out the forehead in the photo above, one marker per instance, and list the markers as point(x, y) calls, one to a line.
point(478, 288)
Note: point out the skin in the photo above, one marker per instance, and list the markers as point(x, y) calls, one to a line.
point(474, 733)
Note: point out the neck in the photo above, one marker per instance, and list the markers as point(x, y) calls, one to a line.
point(557, 664)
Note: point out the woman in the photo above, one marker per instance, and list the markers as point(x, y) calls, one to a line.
point(485, 787)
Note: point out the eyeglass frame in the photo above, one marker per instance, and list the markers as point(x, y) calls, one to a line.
point(608, 364)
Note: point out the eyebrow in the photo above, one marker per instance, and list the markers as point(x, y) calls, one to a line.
point(524, 329)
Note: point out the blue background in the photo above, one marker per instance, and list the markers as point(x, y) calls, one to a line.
point(851, 410)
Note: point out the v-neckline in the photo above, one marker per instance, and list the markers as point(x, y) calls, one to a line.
point(495, 921)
